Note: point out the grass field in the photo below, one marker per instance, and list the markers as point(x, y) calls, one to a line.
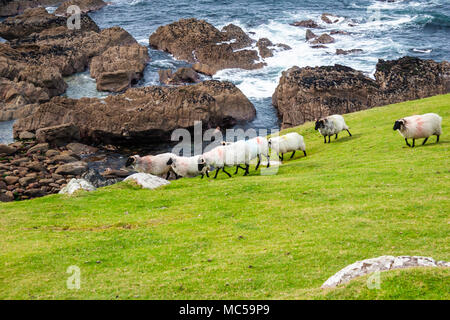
point(257, 237)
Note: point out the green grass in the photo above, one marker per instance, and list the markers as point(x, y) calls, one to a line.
point(257, 237)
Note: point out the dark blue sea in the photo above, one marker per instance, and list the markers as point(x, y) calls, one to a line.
point(383, 30)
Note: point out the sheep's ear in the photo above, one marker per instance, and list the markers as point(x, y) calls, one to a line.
point(169, 162)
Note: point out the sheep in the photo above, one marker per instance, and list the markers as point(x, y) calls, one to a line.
point(419, 126)
point(257, 147)
point(188, 166)
point(289, 142)
point(156, 165)
point(331, 125)
point(228, 155)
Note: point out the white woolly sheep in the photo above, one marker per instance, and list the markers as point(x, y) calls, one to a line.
point(188, 166)
point(156, 165)
point(287, 143)
point(419, 126)
point(256, 147)
point(331, 125)
point(228, 155)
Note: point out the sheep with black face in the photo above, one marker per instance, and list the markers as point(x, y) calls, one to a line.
point(331, 125)
point(419, 126)
point(156, 165)
point(189, 166)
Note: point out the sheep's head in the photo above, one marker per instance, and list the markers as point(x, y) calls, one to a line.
point(399, 124)
point(131, 161)
point(201, 163)
point(320, 124)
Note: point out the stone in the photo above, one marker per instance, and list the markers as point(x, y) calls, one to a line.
point(51, 153)
point(26, 181)
point(25, 135)
point(81, 149)
point(345, 52)
point(147, 181)
point(181, 76)
point(6, 196)
point(264, 45)
point(323, 39)
point(329, 18)
point(59, 134)
point(310, 35)
point(15, 7)
point(383, 263)
point(6, 150)
point(11, 180)
point(84, 5)
point(73, 168)
point(39, 148)
point(75, 185)
point(306, 24)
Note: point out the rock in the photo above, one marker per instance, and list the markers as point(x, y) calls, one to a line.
point(329, 18)
point(198, 42)
point(75, 185)
point(25, 135)
point(310, 35)
point(383, 263)
point(11, 180)
point(6, 150)
point(339, 32)
point(39, 148)
point(135, 116)
point(147, 181)
point(410, 78)
point(263, 45)
point(341, 51)
point(84, 5)
point(36, 166)
point(304, 94)
point(98, 180)
point(15, 7)
point(62, 158)
point(51, 153)
point(34, 193)
point(306, 24)
point(26, 181)
point(6, 196)
point(81, 149)
point(323, 39)
point(36, 20)
point(119, 67)
point(73, 168)
point(110, 173)
point(320, 46)
point(181, 76)
point(59, 134)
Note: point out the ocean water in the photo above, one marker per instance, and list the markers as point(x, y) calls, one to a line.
point(383, 30)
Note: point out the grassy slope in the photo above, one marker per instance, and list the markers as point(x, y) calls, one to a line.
point(278, 236)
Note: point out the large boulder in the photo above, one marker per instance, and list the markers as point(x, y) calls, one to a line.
point(181, 76)
point(119, 66)
point(144, 115)
point(306, 24)
point(211, 50)
point(75, 185)
point(383, 263)
point(147, 181)
point(84, 5)
point(410, 78)
point(14, 7)
point(58, 135)
point(36, 20)
point(304, 94)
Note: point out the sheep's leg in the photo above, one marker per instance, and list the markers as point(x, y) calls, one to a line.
point(324, 139)
point(223, 169)
point(437, 139)
point(237, 169)
point(168, 175)
point(304, 152)
point(259, 161)
point(281, 157)
point(217, 171)
point(268, 160)
point(207, 173)
point(407, 143)
point(349, 132)
point(202, 175)
point(335, 138)
point(424, 141)
point(247, 166)
point(292, 154)
point(414, 142)
point(329, 139)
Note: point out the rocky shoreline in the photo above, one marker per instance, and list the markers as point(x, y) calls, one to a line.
point(55, 134)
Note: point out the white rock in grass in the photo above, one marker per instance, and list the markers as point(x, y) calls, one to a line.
point(147, 181)
point(77, 184)
point(382, 263)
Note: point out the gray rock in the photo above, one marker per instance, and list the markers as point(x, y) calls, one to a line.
point(41, 148)
point(147, 181)
point(382, 263)
point(58, 135)
point(75, 185)
point(310, 35)
point(7, 150)
point(73, 168)
point(26, 135)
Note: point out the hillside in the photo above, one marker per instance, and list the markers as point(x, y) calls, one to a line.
point(257, 237)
